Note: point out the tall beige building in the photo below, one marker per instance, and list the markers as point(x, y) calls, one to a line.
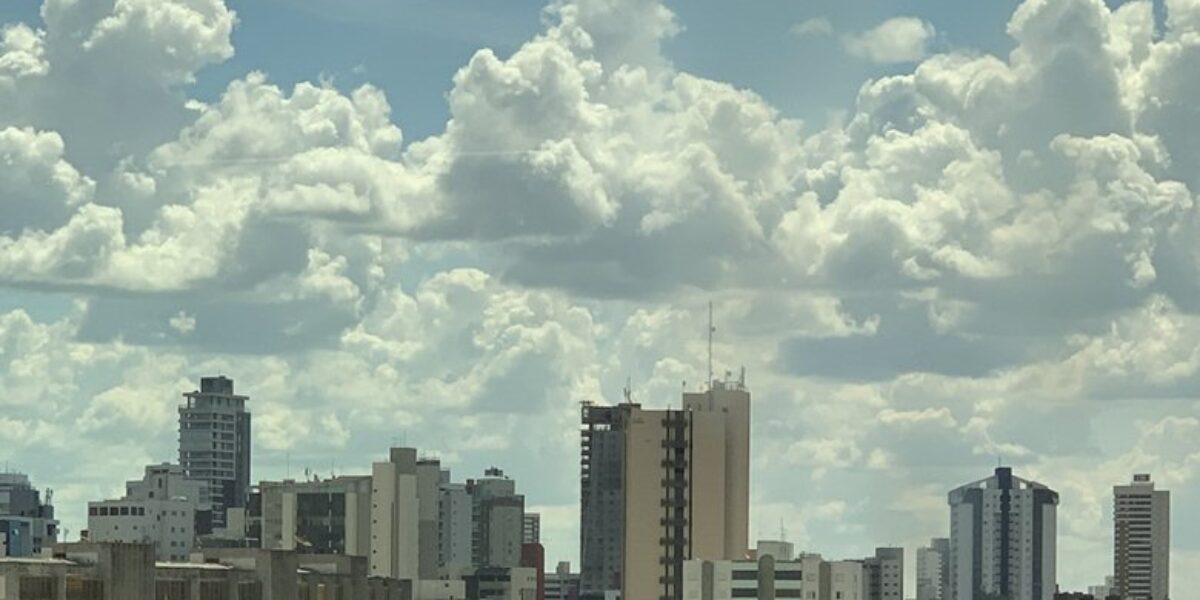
point(395, 527)
point(1141, 540)
point(686, 478)
point(731, 401)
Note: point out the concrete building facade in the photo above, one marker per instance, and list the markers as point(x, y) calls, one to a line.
point(429, 478)
point(395, 516)
point(533, 556)
point(214, 446)
point(674, 509)
point(661, 487)
point(532, 529)
point(502, 583)
point(455, 528)
point(602, 499)
point(95, 571)
point(320, 516)
point(1003, 539)
point(162, 509)
point(27, 523)
point(498, 515)
point(884, 574)
point(932, 570)
point(807, 576)
point(1141, 540)
point(562, 584)
point(731, 400)
point(848, 580)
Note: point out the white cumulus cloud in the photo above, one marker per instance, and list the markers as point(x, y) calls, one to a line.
point(896, 40)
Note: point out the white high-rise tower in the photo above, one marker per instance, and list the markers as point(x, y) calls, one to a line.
point(1003, 539)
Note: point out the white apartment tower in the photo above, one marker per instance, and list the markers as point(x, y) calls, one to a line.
point(1003, 533)
point(1141, 540)
point(932, 570)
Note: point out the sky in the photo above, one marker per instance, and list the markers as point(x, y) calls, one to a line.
point(938, 235)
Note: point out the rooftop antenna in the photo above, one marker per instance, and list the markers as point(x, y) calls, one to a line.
point(628, 390)
point(782, 531)
point(711, 331)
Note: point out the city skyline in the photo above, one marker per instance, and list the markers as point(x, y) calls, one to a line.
point(936, 235)
point(400, 519)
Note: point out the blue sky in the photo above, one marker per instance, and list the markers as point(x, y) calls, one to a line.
point(936, 233)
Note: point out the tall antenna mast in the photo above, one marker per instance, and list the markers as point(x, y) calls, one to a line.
point(711, 331)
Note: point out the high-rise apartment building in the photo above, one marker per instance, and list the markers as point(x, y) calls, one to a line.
point(161, 509)
point(674, 498)
point(317, 516)
point(214, 446)
point(498, 515)
point(942, 547)
point(1003, 539)
point(660, 487)
point(933, 570)
point(1141, 540)
point(395, 516)
point(533, 528)
point(391, 517)
point(27, 524)
point(429, 479)
point(455, 528)
point(731, 400)
point(883, 574)
point(602, 499)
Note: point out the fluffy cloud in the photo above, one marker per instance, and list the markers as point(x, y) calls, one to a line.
point(896, 40)
point(987, 256)
point(22, 54)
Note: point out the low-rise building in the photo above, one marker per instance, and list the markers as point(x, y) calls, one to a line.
point(502, 583)
point(319, 516)
point(806, 576)
point(162, 509)
point(108, 571)
point(765, 578)
point(27, 523)
point(562, 584)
